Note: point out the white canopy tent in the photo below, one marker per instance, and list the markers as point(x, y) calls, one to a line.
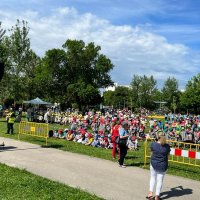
point(37, 101)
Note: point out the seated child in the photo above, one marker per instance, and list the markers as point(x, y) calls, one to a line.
point(101, 141)
point(70, 135)
point(183, 133)
point(77, 137)
point(105, 142)
point(96, 142)
point(171, 134)
point(55, 134)
point(188, 137)
point(61, 134)
point(197, 136)
point(132, 142)
point(82, 138)
point(90, 139)
point(85, 140)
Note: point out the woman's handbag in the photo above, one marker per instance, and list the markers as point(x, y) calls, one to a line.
point(122, 141)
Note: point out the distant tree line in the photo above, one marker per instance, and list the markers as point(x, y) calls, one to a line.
point(143, 93)
point(74, 74)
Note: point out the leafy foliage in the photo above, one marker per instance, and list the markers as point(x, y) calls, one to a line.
point(73, 74)
point(143, 91)
point(190, 98)
point(17, 68)
point(118, 98)
point(171, 93)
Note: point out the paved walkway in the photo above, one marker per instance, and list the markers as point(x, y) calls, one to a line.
point(101, 177)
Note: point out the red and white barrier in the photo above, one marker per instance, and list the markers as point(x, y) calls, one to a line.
point(185, 153)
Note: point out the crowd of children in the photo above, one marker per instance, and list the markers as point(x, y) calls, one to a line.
point(94, 128)
point(179, 128)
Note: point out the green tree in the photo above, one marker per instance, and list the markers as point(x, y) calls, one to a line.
point(51, 76)
point(109, 98)
point(190, 98)
point(18, 62)
point(74, 74)
point(158, 95)
point(86, 63)
point(31, 85)
point(171, 93)
point(136, 91)
point(119, 98)
point(143, 91)
point(88, 71)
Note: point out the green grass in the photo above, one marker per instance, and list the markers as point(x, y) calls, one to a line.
point(19, 184)
point(133, 158)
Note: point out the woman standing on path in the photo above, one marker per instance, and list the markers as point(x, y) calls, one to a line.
point(159, 164)
point(115, 134)
point(123, 136)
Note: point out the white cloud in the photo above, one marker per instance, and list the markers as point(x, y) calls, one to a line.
point(133, 50)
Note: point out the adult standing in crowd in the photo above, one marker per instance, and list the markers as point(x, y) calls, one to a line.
point(28, 114)
point(10, 111)
point(47, 116)
point(123, 136)
point(115, 134)
point(159, 164)
point(10, 121)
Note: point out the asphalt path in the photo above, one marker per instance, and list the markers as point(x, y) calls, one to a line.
point(101, 177)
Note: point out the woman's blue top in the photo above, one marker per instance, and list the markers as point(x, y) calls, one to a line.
point(159, 158)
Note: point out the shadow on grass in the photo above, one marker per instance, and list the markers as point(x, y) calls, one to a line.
point(176, 192)
point(138, 164)
point(57, 146)
point(131, 157)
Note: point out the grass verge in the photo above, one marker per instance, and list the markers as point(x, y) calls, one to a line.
point(19, 184)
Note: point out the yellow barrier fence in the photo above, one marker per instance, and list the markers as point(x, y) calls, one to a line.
point(156, 116)
point(34, 129)
point(181, 152)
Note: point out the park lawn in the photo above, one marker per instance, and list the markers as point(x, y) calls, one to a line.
point(133, 158)
point(19, 184)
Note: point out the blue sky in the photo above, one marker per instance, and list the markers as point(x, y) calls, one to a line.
point(144, 37)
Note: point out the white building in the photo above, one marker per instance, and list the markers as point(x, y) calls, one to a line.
point(112, 88)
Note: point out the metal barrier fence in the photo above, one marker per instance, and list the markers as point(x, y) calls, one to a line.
point(34, 129)
point(181, 152)
point(156, 116)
